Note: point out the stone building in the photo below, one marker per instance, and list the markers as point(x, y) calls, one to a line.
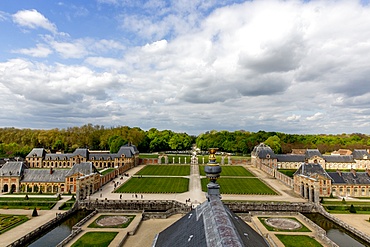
point(82, 178)
point(311, 180)
point(264, 155)
point(127, 155)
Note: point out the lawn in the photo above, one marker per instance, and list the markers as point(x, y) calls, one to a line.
point(270, 228)
point(245, 186)
point(154, 185)
point(165, 170)
point(230, 171)
point(107, 171)
point(101, 239)
point(8, 222)
point(44, 203)
point(288, 172)
point(297, 240)
point(342, 207)
point(68, 204)
point(123, 225)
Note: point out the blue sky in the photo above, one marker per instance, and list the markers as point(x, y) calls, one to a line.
point(189, 66)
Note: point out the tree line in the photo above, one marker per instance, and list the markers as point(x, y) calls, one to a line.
point(19, 142)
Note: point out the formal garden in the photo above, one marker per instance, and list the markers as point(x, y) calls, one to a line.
point(28, 202)
point(8, 222)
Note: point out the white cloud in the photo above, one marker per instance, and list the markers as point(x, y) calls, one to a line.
point(315, 117)
point(33, 19)
point(274, 65)
point(39, 51)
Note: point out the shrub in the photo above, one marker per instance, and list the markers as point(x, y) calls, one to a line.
point(26, 197)
point(34, 213)
point(352, 209)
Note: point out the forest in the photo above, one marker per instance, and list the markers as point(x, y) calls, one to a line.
point(19, 142)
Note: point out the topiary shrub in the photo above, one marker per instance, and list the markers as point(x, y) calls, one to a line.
point(34, 213)
point(26, 197)
point(352, 209)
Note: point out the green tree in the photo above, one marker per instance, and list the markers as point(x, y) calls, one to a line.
point(274, 143)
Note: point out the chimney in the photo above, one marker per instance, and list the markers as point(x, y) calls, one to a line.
point(353, 172)
point(368, 172)
point(339, 172)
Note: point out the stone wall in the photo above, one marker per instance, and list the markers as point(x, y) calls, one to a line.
point(240, 207)
point(141, 205)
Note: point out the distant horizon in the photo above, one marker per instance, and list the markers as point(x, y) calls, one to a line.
point(244, 130)
point(297, 66)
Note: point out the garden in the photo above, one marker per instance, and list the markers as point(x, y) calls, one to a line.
point(26, 202)
point(154, 185)
point(165, 170)
point(8, 222)
point(244, 186)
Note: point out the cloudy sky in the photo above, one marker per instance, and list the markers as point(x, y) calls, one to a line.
point(186, 65)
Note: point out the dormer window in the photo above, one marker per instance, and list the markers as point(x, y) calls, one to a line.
point(268, 156)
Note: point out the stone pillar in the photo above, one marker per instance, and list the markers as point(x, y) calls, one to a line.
point(179, 160)
point(159, 160)
point(173, 160)
point(229, 160)
point(222, 160)
point(203, 159)
point(166, 160)
point(304, 191)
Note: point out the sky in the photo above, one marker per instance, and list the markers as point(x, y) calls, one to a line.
point(294, 66)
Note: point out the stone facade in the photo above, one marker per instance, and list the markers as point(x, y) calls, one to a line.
point(311, 181)
point(128, 155)
point(263, 154)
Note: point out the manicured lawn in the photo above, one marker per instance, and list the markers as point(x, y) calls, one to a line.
point(245, 186)
point(230, 171)
point(44, 203)
point(342, 207)
point(288, 172)
point(107, 171)
point(165, 170)
point(270, 228)
point(68, 204)
point(8, 222)
point(154, 185)
point(101, 239)
point(297, 240)
point(124, 225)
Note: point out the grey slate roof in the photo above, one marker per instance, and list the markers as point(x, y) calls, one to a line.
point(312, 152)
point(84, 152)
point(128, 150)
point(339, 158)
point(360, 154)
point(38, 152)
point(84, 168)
point(12, 169)
point(210, 224)
point(290, 158)
point(350, 178)
point(309, 169)
point(43, 175)
point(263, 151)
